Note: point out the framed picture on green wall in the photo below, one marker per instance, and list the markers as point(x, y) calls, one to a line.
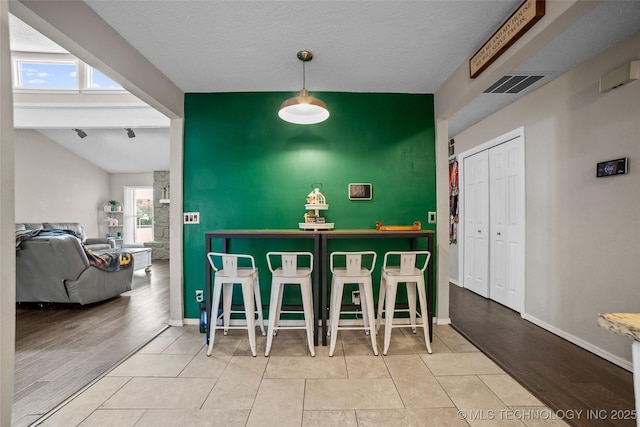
point(360, 191)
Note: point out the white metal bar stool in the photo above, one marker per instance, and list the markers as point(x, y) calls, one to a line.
point(353, 272)
point(228, 273)
point(289, 273)
point(409, 272)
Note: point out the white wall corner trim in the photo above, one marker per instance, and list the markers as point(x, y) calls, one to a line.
point(625, 364)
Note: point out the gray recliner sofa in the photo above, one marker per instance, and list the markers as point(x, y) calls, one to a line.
point(91, 243)
point(54, 268)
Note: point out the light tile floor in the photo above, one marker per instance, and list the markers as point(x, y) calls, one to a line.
point(171, 382)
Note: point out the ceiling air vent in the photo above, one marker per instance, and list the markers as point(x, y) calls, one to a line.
point(513, 83)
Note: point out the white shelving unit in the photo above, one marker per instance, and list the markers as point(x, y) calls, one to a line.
point(112, 222)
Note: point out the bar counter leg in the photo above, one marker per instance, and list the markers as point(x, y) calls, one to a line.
point(207, 290)
point(430, 290)
point(316, 288)
point(325, 307)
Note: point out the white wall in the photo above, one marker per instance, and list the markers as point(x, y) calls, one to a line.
point(54, 184)
point(7, 248)
point(120, 180)
point(583, 237)
point(453, 264)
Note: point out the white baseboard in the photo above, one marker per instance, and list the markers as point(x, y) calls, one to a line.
point(454, 282)
point(442, 321)
point(625, 364)
point(188, 321)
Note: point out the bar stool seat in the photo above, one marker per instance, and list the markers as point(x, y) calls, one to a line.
point(352, 273)
point(228, 273)
point(285, 270)
point(409, 272)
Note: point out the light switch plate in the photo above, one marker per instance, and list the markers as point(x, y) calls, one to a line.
point(431, 217)
point(191, 218)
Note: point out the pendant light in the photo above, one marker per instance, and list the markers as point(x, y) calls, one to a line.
point(303, 109)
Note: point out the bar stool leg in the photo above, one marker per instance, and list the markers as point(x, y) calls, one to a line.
point(227, 293)
point(411, 299)
point(366, 298)
point(334, 311)
point(256, 293)
point(215, 303)
point(278, 308)
point(381, 300)
point(363, 305)
point(390, 305)
point(274, 313)
point(249, 312)
point(426, 314)
point(331, 304)
point(307, 303)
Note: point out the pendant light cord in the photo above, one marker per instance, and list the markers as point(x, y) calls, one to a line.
point(303, 76)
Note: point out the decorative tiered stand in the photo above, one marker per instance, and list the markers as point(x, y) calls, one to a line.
point(316, 202)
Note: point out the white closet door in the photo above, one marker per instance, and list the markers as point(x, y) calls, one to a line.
point(506, 192)
point(476, 223)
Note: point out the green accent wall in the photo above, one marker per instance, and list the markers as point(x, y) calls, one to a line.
point(245, 168)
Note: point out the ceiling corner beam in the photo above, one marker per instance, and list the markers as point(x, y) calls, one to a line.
point(460, 89)
point(77, 28)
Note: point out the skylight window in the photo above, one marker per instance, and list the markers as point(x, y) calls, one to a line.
point(47, 75)
point(99, 81)
point(35, 72)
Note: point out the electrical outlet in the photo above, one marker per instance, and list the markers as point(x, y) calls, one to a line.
point(199, 295)
point(355, 297)
point(191, 218)
point(431, 217)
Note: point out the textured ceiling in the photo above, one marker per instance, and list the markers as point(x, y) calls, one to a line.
point(359, 46)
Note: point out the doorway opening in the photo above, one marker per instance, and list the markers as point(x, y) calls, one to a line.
point(138, 215)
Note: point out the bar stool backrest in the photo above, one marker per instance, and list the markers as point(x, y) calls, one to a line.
point(408, 261)
point(289, 263)
point(353, 262)
point(227, 264)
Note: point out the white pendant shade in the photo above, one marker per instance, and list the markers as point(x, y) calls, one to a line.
point(303, 109)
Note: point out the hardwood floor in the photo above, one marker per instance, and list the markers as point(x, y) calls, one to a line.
point(59, 351)
point(562, 375)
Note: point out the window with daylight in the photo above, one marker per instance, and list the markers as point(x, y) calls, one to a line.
point(42, 72)
point(47, 75)
point(138, 215)
point(99, 81)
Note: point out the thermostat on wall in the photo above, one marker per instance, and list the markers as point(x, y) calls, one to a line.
point(612, 167)
point(360, 191)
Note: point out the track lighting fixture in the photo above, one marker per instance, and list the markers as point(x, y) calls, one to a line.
point(80, 133)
